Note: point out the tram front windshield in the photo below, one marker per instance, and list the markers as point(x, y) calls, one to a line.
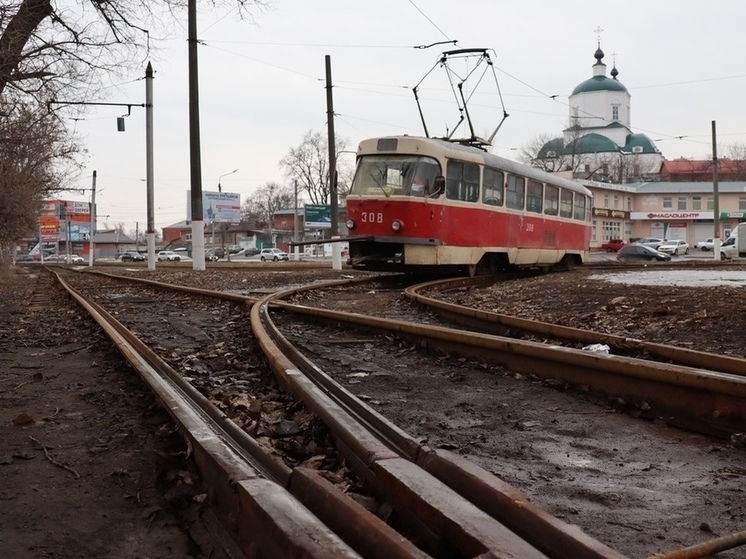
point(395, 175)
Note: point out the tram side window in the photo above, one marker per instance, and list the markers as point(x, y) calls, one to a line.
point(515, 192)
point(551, 200)
point(566, 203)
point(579, 208)
point(492, 187)
point(534, 196)
point(462, 181)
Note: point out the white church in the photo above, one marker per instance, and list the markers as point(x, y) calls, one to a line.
point(598, 143)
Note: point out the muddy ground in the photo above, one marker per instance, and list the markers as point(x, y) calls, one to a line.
point(89, 467)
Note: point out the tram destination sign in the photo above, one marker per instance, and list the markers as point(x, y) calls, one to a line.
point(317, 216)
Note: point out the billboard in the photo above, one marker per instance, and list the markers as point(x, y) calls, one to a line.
point(65, 220)
point(222, 207)
point(317, 216)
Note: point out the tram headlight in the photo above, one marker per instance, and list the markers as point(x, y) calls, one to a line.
point(350, 223)
point(397, 225)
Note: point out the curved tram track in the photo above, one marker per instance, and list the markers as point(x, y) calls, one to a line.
point(450, 507)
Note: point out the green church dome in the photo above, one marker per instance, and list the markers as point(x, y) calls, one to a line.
point(599, 83)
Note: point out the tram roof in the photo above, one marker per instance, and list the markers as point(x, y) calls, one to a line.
point(485, 157)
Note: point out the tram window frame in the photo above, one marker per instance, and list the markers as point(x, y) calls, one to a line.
point(462, 181)
point(551, 199)
point(566, 203)
point(534, 196)
point(579, 206)
point(515, 192)
point(493, 187)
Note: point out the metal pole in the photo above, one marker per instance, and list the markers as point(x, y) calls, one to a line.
point(198, 226)
point(336, 254)
point(93, 220)
point(716, 201)
point(149, 181)
point(295, 221)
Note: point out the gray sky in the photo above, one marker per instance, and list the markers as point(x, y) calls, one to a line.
point(262, 85)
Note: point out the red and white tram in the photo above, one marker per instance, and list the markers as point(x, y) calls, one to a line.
point(424, 204)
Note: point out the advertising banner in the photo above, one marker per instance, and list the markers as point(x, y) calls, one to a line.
point(222, 207)
point(317, 216)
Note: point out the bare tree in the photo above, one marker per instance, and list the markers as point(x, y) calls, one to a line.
point(36, 155)
point(64, 49)
point(47, 49)
point(308, 163)
point(268, 199)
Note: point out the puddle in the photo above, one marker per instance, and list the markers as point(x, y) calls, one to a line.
point(681, 278)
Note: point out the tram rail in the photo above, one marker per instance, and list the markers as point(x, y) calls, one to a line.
point(395, 464)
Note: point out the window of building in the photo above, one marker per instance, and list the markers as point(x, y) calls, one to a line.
point(534, 196)
point(606, 200)
point(593, 230)
point(462, 181)
point(611, 230)
point(667, 203)
point(492, 187)
point(710, 203)
point(629, 203)
point(188, 237)
point(616, 202)
point(696, 202)
point(515, 192)
point(742, 202)
point(681, 203)
point(565, 203)
point(551, 200)
point(615, 112)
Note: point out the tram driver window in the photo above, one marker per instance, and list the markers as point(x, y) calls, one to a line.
point(462, 181)
point(492, 187)
point(515, 193)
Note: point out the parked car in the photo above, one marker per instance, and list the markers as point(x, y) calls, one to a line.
point(210, 256)
point(168, 256)
point(75, 259)
point(613, 245)
point(653, 242)
point(728, 249)
point(637, 252)
point(274, 254)
point(674, 247)
point(707, 244)
point(251, 251)
point(132, 256)
point(235, 249)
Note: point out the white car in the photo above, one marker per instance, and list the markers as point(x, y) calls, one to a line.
point(728, 249)
point(707, 244)
point(168, 256)
point(273, 254)
point(674, 247)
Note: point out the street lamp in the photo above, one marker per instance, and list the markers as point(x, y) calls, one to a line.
point(224, 175)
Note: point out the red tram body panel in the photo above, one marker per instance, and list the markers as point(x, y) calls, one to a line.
point(421, 203)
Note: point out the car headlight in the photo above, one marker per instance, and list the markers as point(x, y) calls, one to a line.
point(350, 223)
point(397, 225)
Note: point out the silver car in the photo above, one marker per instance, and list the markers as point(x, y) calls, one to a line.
point(273, 254)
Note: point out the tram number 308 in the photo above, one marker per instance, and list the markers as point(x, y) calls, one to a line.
point(371, 217)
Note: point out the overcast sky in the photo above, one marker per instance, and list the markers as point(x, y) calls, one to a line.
point(262, 85)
